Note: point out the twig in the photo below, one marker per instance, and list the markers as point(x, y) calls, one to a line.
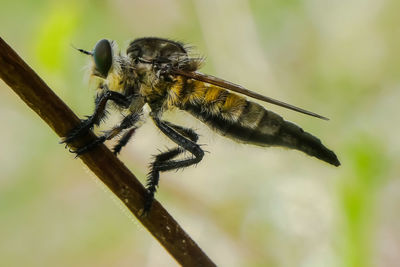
point(39, 97)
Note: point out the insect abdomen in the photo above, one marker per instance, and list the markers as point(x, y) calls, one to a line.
point(245, 121)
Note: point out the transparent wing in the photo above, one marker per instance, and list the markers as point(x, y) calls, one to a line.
point(240, 89)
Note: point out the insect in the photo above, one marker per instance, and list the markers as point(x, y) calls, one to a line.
point(162, 74)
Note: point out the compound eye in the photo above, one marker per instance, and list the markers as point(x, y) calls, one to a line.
point(102, 55)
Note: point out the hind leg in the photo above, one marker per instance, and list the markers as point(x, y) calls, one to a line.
point(183, 137)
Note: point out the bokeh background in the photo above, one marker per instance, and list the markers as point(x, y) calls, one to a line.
point(244, 205)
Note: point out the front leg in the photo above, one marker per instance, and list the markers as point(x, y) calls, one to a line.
point(128, 122)
point(98, 114)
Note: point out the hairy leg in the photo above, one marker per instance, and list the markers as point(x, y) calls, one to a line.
point(189, 133)
point(128, 122)
point(164, 161)
point(98, 114)
point(124, 140)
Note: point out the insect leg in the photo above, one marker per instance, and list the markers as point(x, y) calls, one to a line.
point(98, 114)
point(123, 140)
point(189, 133)
point(163, 162)
point(128, 122)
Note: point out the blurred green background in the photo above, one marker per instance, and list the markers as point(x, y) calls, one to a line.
point(244, 205)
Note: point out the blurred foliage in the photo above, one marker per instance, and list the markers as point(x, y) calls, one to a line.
point(245, 206)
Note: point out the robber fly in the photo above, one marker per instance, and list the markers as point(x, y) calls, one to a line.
point(162, 74)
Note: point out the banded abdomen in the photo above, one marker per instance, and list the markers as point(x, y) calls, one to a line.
point(233, 116)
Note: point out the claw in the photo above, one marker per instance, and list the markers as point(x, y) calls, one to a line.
point(63, 141)
point(148, 202)
point(87, 147)
point(79, 130)
point(142, 213)
point(116, 150)
point(77, 152)
point(67, 140)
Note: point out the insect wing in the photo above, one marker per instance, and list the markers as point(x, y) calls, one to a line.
point(240, 89)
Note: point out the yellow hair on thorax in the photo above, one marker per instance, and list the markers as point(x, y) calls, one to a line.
point(114, 82)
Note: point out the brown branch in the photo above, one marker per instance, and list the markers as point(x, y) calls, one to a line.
point(39, 97)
